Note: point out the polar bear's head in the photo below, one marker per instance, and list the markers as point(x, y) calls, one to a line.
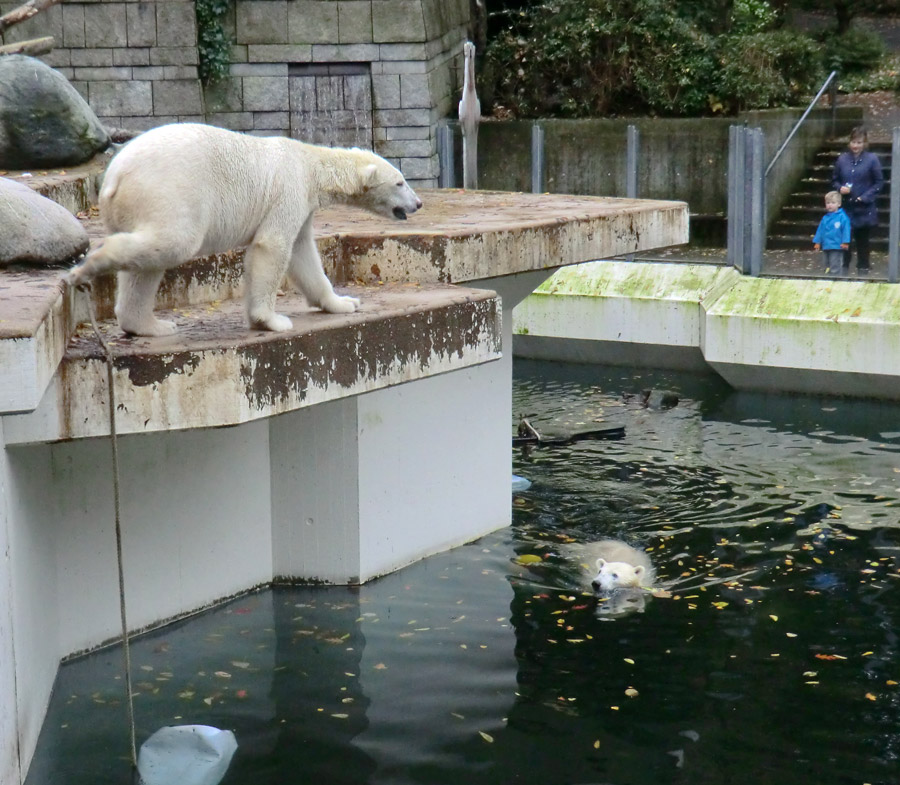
point(384, 190)
point(613, 575)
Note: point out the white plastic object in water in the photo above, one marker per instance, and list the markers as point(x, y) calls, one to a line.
point(520, 483)
point(186, 755)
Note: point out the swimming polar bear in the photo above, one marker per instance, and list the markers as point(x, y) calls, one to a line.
point(621, 566)
point(185, 190)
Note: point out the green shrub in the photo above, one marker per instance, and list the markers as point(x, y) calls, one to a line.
point(588, 58)
point(765, 70)
point(886, 76)
point(854, 51)
point(752, 16)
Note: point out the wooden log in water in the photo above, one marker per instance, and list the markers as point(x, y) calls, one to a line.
point(612, 432)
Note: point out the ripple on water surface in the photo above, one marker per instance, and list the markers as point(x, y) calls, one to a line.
point(772, 522)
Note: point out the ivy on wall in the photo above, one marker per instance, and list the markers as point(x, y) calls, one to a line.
point(213, 44)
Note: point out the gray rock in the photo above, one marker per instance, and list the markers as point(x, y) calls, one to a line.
point(36, 230)
point(44, 121)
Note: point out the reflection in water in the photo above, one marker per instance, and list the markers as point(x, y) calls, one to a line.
point(772, 521)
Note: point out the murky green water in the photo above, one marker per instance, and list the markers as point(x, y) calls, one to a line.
point(774, 522)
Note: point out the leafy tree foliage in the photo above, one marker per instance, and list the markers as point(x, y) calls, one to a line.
point(579, 58)
point(844, 11)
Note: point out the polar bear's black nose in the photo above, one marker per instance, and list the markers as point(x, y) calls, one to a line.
point(399, 213)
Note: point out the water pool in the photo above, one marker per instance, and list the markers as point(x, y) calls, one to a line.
point(774, 523)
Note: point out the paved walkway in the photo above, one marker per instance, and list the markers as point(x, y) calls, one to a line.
point(792, 264)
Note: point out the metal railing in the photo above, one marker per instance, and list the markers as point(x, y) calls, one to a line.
point(828, 82)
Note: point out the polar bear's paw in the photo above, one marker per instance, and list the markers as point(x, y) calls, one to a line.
point(340, 304)
point(154, 328)
point(76, 276)
point(274, 322)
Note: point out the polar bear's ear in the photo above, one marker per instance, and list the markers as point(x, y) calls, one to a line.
point(368, 176)
point(639, 572)
point(600, 563)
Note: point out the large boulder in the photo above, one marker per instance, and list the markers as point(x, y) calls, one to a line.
point(36, 230)
point(44, 121)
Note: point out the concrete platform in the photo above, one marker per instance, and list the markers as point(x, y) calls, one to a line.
point(216, 372)
point(458, 237)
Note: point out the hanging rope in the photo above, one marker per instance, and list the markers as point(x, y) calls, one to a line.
point(114, 443)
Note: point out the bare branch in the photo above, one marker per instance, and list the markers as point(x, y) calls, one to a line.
point(24, 12)
point(34, 46)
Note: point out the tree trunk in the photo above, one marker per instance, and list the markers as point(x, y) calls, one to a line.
point(844, 14)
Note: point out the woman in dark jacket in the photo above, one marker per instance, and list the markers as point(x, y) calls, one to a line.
point(857, 175)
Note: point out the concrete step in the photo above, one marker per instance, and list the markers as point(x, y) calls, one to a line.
point(816, 201)
point(789, 225)
point(803, 242)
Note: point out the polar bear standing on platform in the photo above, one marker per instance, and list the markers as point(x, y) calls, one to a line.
point(186, 190)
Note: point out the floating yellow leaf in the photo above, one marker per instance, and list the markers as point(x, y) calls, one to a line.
point(223, 674)
point(891, 683)
point(340, 716)
point(867, 653)
point(773, 617)
point(871, 697)
point(486, 736)
point(597, 744)
point(629, 660)
point(528, 558)
point(791, 634)
point(380, 667)
point(631, 692)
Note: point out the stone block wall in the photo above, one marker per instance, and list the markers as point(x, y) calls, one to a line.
point(134, 62)
point(373, 73)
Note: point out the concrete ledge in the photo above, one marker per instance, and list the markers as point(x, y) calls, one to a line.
point(35, 324)
point(216, 372)
point(809, 336)
point(770, 334)
point(464, 236)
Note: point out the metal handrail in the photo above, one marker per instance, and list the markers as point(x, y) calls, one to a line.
point(809, 108)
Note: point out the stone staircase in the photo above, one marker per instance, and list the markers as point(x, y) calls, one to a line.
point(804, 209)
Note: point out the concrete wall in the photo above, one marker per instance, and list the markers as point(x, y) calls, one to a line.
point(341, 72)
point(683, 159)
point(9, 735)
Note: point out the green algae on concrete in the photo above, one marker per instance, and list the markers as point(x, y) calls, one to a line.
point(649, 280)
point(809, 335)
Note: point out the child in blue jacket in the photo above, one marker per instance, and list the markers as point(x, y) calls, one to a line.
point(833, 235)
